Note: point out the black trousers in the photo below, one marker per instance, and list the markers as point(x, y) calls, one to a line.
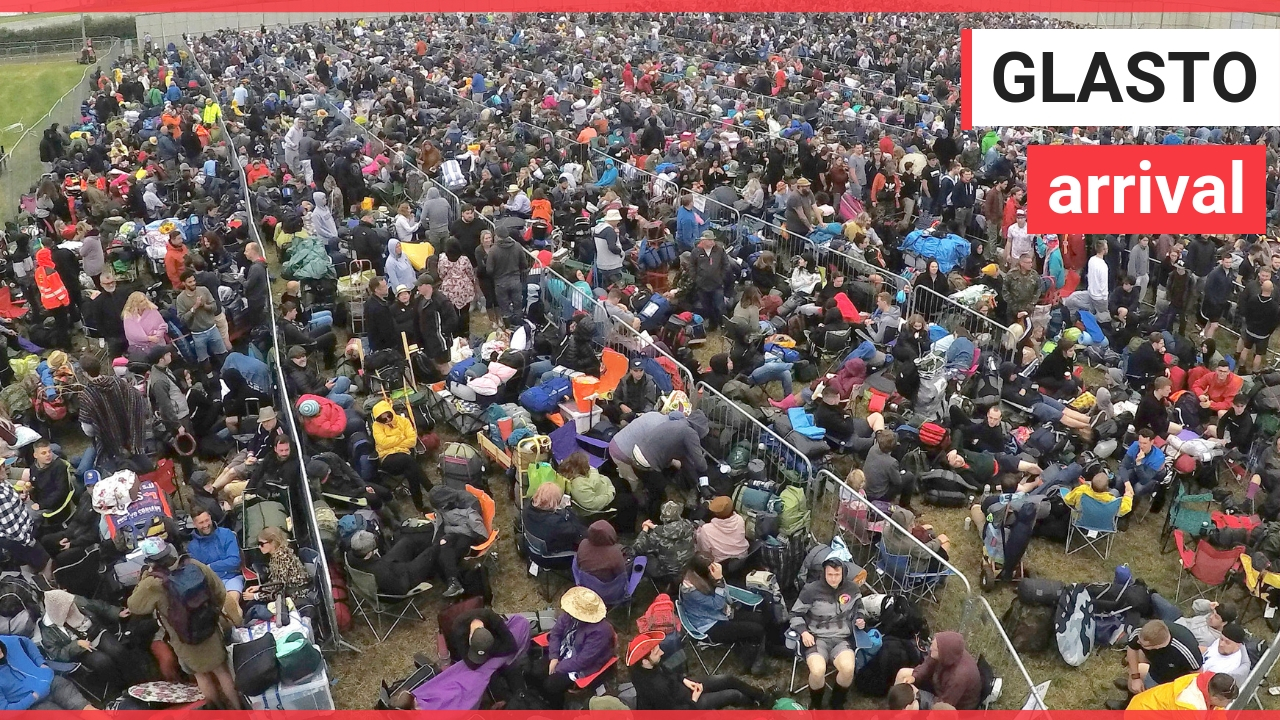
point(551, 686)
point(414, 557)
point(722, 691)
point(406, 465)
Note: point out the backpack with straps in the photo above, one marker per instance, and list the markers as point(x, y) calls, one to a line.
point(795, 515)
point(192, 616)
point(660, 617)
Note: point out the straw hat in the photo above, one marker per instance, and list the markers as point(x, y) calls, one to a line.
point(583, 604)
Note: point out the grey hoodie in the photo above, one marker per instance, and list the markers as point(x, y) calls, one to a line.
point(507, 259)
point(436, 210)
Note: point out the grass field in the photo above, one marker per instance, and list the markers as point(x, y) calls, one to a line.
point(28, 90)
point(1085, 687)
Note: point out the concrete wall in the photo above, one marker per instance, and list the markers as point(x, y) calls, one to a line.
point(169, 26)
point(1191, 20)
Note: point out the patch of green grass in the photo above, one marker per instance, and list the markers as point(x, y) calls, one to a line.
point(28, 90)
point(5, 19)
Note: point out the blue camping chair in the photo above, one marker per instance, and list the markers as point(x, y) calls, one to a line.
point(1094, 522)
point(546, 563)
point(700, 642)
point(917, 579)
point(618, 591)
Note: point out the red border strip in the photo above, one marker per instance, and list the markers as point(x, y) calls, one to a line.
point(567, 6)
point(966, 79)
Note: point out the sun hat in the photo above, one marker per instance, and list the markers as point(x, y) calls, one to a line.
point(266, 414)
point(583, 604)
point(613, 215)
point(643, 644)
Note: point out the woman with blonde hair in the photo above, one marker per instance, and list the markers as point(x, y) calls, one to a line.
point(285, 572)
point(144, 327)
point(547, 518)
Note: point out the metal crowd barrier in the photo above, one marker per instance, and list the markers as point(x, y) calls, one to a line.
point(899, 563)
point(310, 526)
point(783, 461)
point(987, 334)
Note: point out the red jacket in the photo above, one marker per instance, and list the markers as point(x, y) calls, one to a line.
point(330, 423)
point(1220, 392)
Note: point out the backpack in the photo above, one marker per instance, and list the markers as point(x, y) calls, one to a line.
point(1074, 625)
point(1040, 591)
point(458, 373)
point(192, 615)
point(1045, 442)
point(462, 464)
point(546, 397)
point(946, 481)
point(795, 515)
point(1030, 627)
point(759, 509)
point(933, 435)
point(660, 617)
point(901, 618)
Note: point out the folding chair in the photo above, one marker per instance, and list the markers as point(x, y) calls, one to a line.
point(369, 602)
point(1095, 522)
point(791, 638)
point(543, 563)
point(1187, 513)
point(912, 577)
point(616, 592)
point(1258, 585)
point(1207, 565)
point(701, 643)
point(586, 683)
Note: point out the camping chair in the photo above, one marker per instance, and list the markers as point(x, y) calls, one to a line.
point(835, 344)
point(861, 641)
point(543, 563)
point(84, 679)
point(1207, 565)
point(592, 683)
point(423, 671)
point(1258, 585)
point(914, 578)
point(488, 509)
point(616, 592)
point(700, 642)
point(1095, 522)
point(1187, 513)
point(369, 602)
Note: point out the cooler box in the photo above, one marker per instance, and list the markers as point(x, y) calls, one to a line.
point(310, 694)
point(583, 421)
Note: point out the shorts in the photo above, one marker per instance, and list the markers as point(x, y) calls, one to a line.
point(1006, 463)
point(34, 556)
point(207, 342)
point(1044, 412)
point(1211, 315)
point(1258, 344)
point(235, 584)
point(828, 648)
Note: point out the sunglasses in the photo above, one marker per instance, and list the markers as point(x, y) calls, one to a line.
point(263, 543)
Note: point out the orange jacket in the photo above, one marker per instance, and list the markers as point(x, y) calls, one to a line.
point(1220, 392)
point(542, 209)
point(173, 258)
point(53, 294)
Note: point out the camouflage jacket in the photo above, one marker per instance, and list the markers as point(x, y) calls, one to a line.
point(669, 544)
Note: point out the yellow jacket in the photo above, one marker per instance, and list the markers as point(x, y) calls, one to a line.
point(1073, 498)
point(398, 437)
point(1181, 694)
point(210, 114)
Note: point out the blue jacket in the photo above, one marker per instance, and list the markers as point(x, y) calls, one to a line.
point(1154, 459)
point(687, 232)
point(24, 678)
point(256, 374)
point(702, 610)
point(219, 550)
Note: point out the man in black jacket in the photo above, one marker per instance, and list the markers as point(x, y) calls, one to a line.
point(369, 243)
point(636, 393)
point(435, 319)
point(466, 230)
point(257, 286)
point(659, 687)
point(410, 562)
point(1147, 362)
point(709, 264)
point(379, 323)
point(302, 380)
point(102, 312)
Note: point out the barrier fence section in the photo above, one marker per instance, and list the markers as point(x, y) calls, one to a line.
point(311, 524)
point(898, 563)
point(783, 462)
point(1258, 675)
point(987, 334)
point(20, 166)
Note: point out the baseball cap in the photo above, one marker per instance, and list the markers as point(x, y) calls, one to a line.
point(637, 364)
point(481, 643)
point(1234, 633)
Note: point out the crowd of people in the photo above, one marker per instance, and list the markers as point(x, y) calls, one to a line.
point(480, 207)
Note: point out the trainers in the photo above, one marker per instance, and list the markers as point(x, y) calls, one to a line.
point(1117, 704)
point(454, 589)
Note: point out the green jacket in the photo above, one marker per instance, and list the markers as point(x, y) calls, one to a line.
point(59, 642)
point(308, 259)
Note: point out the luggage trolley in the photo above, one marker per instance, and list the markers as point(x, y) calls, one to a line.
point(354, 289)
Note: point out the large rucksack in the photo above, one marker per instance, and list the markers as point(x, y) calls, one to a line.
point(900, 617)
point(462, 464)
point(795, 515)
point(1030, 627)
point(759, 509)
point(943, 480)
point(876, 677)
point(1074, 625)
point(544, 398)
point(660, 617)
point(192, 614)
point(1045, 442)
